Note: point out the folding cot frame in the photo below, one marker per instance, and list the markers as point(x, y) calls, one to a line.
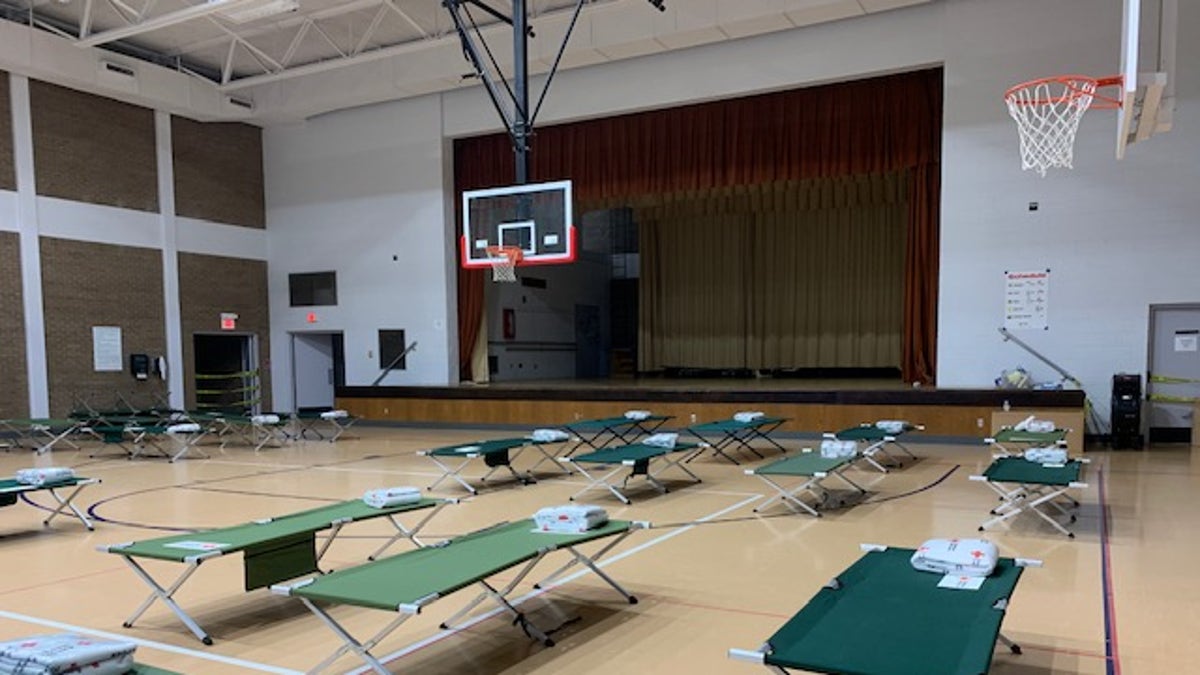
point(142, 438)
point(495, 453)
point(255, 433)
point(874, 442)
point(1026, 439)
point(54, 430)
point(732, 434)
point(165, 593)
point(875, 596)
point(807, 465)
point(601, 433)
point(638, 458)
point(309, 591)
point(12, 489)
point(310, 421)
point(1027, 486)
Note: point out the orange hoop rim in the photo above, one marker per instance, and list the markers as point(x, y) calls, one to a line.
point(1072, 90)
point(513, 254)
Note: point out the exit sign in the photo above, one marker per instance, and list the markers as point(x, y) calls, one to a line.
point(228, 321)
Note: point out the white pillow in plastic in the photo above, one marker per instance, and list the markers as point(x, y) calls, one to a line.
point(334, 414)
point(65, 653)
point(384, 498)
point(747, 416)
point(662, 440)
point(185, 428)
point(891, 426)
point(264, 419)
point(548, 435)
point(1041, 426)
point(832, 448)
point(570, 518)
point(963, 557)
point(638, 415)
point(1047, 455)
point(42, 476)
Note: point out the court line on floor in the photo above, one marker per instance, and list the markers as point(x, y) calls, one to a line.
point(443, 634)
point(1112, 655)
point(150, 644)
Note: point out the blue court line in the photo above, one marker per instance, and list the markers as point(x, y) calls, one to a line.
point(1112, 658)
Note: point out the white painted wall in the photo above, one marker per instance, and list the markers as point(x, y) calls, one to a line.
point(1117, 235)
point(348, 192)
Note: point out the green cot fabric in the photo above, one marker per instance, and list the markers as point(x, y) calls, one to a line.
point(408, 577)
point(636, 452)
point(804, 464)
point(139, 669)
point(889, 619)
point(482, 447)
point(279, 560)
point(863, 433)
point(1018, 470)
point(241, 537)
point(1044, 437)
point(7, 499)
point(14, 487)
point(612, 422)
point(52, 424)
point(734, 425)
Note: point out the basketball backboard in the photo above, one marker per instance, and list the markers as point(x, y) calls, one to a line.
point(535, 218)
point(1148, 37)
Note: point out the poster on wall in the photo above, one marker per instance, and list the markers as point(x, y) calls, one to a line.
point(1027, 300)
point(106, 348)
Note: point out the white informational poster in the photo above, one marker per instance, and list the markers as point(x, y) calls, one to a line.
point(1187, 342)
point(1026, 300)
point(106, 348)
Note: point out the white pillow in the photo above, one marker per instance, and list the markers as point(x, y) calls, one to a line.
point(662, 440)
point(964, 557)
point(831, 448)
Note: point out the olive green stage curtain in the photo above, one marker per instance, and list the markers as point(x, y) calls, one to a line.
point(883, 126)
point(793, 274)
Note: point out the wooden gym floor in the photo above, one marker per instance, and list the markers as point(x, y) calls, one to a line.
point(710, 575)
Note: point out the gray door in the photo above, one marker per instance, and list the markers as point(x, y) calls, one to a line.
point(1174, 369)
point(312, 369)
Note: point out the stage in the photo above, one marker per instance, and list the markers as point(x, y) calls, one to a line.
point(811, 405)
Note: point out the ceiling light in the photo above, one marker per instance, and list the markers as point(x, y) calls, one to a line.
point(245, 13)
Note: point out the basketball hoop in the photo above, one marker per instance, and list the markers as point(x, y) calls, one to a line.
point(503, 260)
point(1047, 112)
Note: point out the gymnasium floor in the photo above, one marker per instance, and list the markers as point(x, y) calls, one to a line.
point(710, 575)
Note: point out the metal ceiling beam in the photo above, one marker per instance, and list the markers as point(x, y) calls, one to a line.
point(160, 21)
point(337, 10)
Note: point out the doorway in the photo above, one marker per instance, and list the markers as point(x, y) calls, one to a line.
point(1174, 384)
point(225, 373)
point(318, 369)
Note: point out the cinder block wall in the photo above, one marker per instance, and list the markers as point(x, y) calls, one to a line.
point(8, 174)
point(93, 149)
point(14, 383)
point(210, 285)
point(85, 285)
point(218, 172)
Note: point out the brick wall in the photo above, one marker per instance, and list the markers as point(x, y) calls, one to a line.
point(86, 285)
point(210, 285)
point(218, 172)
point(93, 149)
point(14, 393)
point(8, 174)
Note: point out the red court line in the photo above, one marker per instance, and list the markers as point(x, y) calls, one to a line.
point(55, 582)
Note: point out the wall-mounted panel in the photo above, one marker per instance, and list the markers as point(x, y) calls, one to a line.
point(14, 394)
point(212, 285)
point(85, 285)
point(8, 172)
point(218, 172)
point(93, 149)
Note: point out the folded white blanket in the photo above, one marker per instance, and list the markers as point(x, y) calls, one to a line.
point(1047, 455)
point(260, 420)
point(63, 654)
point(661, 440)
point(49, 474)
point(185, 428)
point(570, 518)
point(548, 435)
point(834, 449)
point(384, 498)
point(637, 415)
point(891, 426)
point(964, 557)
point(1041, 426)
point(747, 416)
point(334, 414)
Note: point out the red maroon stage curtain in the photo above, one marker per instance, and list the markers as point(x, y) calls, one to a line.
point(871, 126)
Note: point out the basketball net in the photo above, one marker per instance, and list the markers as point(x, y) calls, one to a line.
point(1047, 113)
point(503, 260)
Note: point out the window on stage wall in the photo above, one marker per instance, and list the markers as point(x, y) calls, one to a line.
point(391, 349)
point(313, 289)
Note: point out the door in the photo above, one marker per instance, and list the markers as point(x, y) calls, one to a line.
point(1174, 371)
point(225, 373)
point(313, 369)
